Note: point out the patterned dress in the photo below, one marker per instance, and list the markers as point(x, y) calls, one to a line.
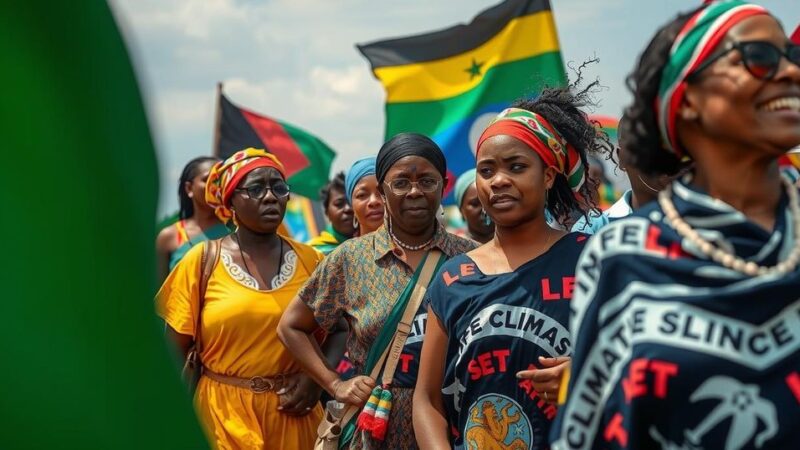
point(361, 281)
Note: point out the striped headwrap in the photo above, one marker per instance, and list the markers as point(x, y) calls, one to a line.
point(695, 43)
point(226, 175)
point(538, 134)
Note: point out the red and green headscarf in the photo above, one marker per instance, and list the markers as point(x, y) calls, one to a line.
point(538, 134)
point(226, 175)
point(694, 44)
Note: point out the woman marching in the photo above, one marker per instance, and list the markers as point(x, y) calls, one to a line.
point(361, 191)
point(252, 394)
point(479, 227)
point(686, 314)
point(339, 213)
point(197, 221)
point(497, 338)
point(371, 281)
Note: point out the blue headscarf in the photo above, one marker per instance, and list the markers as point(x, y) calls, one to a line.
point(462, 184)
point(362, 168)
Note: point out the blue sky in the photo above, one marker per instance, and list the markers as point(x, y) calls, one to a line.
point(296, 60)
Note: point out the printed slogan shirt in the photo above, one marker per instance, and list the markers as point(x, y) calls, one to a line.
point(498, 325)
point(674, 351)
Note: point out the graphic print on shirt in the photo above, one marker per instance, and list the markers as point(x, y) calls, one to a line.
point(498, 325)
point(496, 422)
point(674, 351)
point(738, 402)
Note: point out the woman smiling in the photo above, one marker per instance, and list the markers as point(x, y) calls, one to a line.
point(719, 86)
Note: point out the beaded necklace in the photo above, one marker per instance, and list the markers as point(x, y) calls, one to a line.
point(728, 259)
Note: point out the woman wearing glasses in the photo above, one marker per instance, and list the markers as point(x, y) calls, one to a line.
point(686, 314)
point(364, 279)
point(252, 393)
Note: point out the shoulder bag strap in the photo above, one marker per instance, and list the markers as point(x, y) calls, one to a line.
point(393, 351)
point(404, 327)
point(210, 257)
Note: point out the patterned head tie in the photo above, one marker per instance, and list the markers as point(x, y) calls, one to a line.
point(694, 44)
point(538, 134)
point(226, 175)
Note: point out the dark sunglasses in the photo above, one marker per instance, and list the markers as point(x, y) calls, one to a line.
point(761, 58)
point(259, 191)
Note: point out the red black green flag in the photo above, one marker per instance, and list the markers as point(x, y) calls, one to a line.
point(306, 157)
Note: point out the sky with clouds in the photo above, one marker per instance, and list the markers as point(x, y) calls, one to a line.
point(296, 60)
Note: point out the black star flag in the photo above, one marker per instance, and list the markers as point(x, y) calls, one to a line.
point(448, 84)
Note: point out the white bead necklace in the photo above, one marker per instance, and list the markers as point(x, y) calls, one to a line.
point(409, 247)
point(727, 259)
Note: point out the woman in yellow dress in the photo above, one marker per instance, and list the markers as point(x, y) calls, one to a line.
point(252, 394)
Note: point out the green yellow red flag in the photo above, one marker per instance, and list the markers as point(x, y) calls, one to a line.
point(448, 84)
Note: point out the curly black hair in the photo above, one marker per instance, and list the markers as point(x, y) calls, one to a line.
point(336, 184)
point(643, 141)
point(562, 108)
point(188, 174)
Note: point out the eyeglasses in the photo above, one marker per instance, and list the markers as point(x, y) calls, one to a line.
point(402, 186)
point(761, 58)
point(259, 191)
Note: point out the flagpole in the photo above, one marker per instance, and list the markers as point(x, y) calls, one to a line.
point(217, 121)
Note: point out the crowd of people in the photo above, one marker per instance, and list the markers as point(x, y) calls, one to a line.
point(560, 317)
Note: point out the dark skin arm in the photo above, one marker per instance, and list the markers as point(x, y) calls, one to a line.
point(296, 331)
point(165, 245)
point(302, 393)
point(430, 422)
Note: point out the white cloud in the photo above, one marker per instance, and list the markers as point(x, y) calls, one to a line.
point(343, 82)
point(183, 110)
point(320, 94)
point(193, 18)
point(295, 60)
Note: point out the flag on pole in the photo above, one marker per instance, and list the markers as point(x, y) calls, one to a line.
point(449, 84)
point(307, 158)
